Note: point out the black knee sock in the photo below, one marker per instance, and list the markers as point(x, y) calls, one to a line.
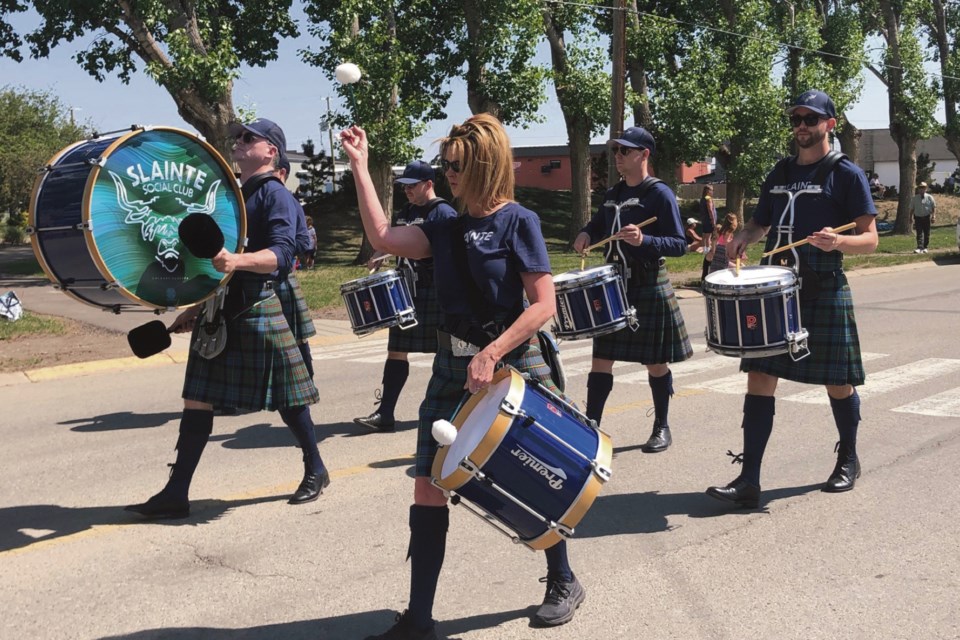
point(395, 373)
point(846, 413)
point(758, 412)
point(428, 544)
point(558, 566)
point(599, 386)
point(661, 388)
point(307, 356)
point(196, 425)
point(301, 424)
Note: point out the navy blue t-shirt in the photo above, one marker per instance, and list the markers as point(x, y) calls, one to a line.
point(845, 197)
point(665, 237)
point(500, 247)
point(414, 214)
point(272, 214)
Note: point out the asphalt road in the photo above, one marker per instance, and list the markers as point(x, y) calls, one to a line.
point(658, 558)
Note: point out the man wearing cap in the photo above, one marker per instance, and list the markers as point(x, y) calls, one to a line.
point(660, 336)
point(826, 304)
point(260, 367)
point(923, 208)
point(422, 205)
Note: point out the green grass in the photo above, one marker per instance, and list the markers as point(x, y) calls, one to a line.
point(22, 267)
point(31, 325)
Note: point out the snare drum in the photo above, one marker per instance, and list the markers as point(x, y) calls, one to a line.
point(755, 314)
point(378, 301)
point(531, 463)
point(105, 213)
point(591, 303)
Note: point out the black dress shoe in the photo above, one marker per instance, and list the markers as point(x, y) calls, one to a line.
point(844, 476)
point(376, 421)
point(311, 487)
point(162, 506)
point(659, 439)
point(740, 492)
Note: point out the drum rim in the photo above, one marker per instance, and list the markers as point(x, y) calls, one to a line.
point(731, 286)
point(88, 197)
point(610, 274)
point(370, 278)
point(494, 436)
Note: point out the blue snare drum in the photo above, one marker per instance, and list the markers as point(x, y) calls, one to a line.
point(755, 314)
point(591, 303)
point(526, 459)
point(105, 216)
point(378, 301)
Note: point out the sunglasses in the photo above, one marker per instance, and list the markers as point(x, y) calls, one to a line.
point(246, 137)
point(454, 166)
point(811, 119)
point(624, 151)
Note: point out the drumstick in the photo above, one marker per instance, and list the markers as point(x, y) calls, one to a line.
point(840, 229)
point(738, 267)
point(612, 238)
point(380, 260)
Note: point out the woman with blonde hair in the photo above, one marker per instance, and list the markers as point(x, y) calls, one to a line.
point(495, 251)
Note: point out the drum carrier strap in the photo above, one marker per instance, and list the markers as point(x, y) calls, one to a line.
point(414, 270)
point(632, 270)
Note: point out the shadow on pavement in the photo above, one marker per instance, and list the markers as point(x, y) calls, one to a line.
point(354, 625)
point(631, 513)
point(64, 521)
point(121, 420)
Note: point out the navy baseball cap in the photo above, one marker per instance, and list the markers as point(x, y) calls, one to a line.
point(284, 164)
point(638, 138)
point(417, 171)
point(816, 101)
point(265, 129)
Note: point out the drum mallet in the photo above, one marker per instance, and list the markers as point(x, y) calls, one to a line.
point(379, 260)
point(583, 255)
point(349, 74)
point(201, 234)
point(149, 339)
point(838, 230)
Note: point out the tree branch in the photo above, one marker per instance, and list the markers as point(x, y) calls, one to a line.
point(145, 45)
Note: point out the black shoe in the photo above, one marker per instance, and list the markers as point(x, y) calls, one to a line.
point(739, 491)
point(376, 421)
point(659, 439)
point(311, 487)
point(560, 602)
point(404, 630)
point(845, 474)
point(163, 506)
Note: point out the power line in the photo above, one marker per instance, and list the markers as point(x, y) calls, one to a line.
point(746, 36)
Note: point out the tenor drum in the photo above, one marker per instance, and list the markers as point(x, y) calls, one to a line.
point(755, 314)
point(105, 212)
point(531, 463)
point(378, 301)
point(591, 303)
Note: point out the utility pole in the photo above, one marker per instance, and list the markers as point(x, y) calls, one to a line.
point(618, 79)
point(333, 158)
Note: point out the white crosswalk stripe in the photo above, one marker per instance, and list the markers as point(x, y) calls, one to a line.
point(945, 405)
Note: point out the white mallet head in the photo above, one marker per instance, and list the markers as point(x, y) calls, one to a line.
point(444, 432)
point(347, 73)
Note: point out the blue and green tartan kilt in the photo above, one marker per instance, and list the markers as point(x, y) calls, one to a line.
point(295, 309)
point(834, 343)
point(445, 392)
point(261, 366)
point(423, 337)
point(661, 336)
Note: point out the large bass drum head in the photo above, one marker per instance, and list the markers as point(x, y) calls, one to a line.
point(146, 183)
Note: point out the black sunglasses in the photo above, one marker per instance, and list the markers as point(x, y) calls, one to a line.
point(454, 166)
point(246, 137)
point(624, 151)
point(811, 119)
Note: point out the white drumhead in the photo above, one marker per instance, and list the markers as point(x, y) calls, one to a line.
point(370, 280)
point(752, 276)
point(585, 275)
point(476, 426)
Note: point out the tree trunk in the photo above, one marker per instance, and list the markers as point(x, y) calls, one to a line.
point(478, 99)
point(736, 193)
point(579, 142)
point(849, 137)
point(951, 87)
point(907, 155)
point(211, 119)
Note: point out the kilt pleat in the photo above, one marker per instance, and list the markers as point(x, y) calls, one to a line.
point(423, 337)
point(661, 336)
point(295, 308)
point(261, 366)
point(445, 392)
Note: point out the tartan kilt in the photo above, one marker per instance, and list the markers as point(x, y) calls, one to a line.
point(295, 308)
point(423, 337)
point(834, 343)
point(260, 368)
point(445, 392)
point(661, 336)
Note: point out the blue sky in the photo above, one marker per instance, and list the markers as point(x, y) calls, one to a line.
point(289, 92)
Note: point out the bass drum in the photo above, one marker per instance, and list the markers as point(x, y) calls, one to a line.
point(105, 214)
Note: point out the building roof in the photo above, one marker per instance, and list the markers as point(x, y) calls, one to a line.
point(877, 145)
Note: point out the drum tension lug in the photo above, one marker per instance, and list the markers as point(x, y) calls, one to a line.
point(455, 499)
point(604, 473)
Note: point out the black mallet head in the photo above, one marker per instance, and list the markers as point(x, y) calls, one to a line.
point(201, 234)
point(149, 339)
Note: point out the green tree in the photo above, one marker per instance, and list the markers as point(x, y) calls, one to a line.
point(191, 49)
point(318, 169)
point(34, 125)
point(942, 21)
